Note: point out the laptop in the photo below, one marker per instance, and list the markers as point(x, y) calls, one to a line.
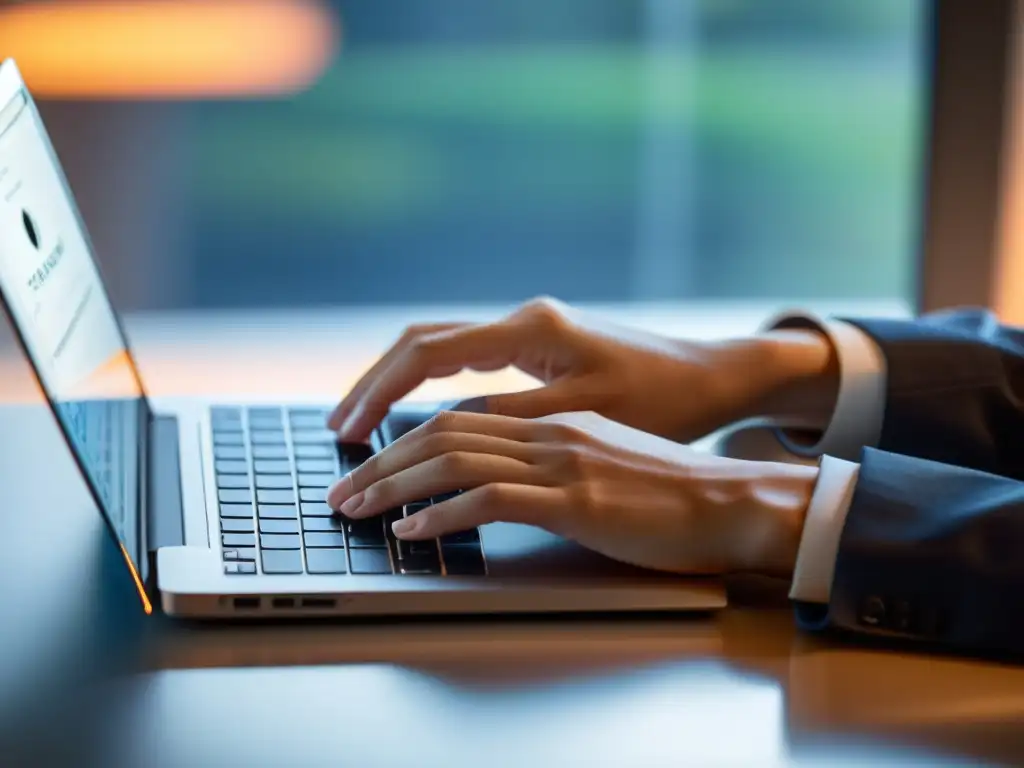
point(219, 509)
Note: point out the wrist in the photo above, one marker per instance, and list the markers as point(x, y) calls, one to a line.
point(783, 375)
point(771, 516)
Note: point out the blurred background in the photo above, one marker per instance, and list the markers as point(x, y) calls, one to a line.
point(296, 154)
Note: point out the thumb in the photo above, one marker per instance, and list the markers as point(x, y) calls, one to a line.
point(558, 397)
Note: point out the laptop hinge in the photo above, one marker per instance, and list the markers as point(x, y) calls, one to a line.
point(164, 511)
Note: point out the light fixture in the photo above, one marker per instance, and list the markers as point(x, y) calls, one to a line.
point(168, 49)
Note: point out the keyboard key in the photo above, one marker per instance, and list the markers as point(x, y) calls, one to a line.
point(354, 454)
point(325, 539)
point(240, 553)
point(414, 507)
point(279, 526)
point(310, 411)
point(421, 565)
point(230, 452)
point(281, 560)
point(279, 541)
point(265, 412)
point(278, 511)
point(368, 532)
point(313, 494)
point(408, 550)
point(326, 561)
point(319, 480)
point(313, 509)
point(231, 467)
point(266, 437)
point(226, 427)
point(228, 438)
point(390, 517)
point(315, 452)
point(232, 481)
point(225, 413)
point(308, 420)
point(317, 465)
point(325, 524)
point(368, 561)
point(313, 437)
point(234, 496)
point(270, 452)
point(239, 569)
point(443, 497)
point(463, 560)
point(472, 536)
point(239, 540)
point(264, 467)
point(275, 497)
point(236, 510)
point(265, 423)
point(229, 525)
point(274, 481)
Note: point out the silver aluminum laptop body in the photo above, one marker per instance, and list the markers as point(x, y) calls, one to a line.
point(151, 468)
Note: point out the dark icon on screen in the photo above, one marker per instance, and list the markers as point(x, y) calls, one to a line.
point(30, 229)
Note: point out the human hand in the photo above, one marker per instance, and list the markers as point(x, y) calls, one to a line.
point(629, 495)
point(679, 389)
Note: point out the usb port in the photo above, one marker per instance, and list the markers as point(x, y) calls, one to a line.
point(247, 603)
point(317, 602)
point(283, 602)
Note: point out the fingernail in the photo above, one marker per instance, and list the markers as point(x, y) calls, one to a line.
point(332, 420)
point(336, 493)
point(403, 525)
point(352, 504)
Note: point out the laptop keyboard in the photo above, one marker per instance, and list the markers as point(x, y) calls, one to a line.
point(273, 467)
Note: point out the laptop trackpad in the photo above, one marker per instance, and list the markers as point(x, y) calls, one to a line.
point(522, 551)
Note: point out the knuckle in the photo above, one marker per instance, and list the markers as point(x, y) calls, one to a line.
point(412, 332)
point(436, 443)
point(452, 463)
point(568, 434)
point(494, 495)
point(545, 312)
point(381, 492)
point(439, 423)
point(574, 460)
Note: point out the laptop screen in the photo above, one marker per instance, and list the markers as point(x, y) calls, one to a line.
point(59, 306)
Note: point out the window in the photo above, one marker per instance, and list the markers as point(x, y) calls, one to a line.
point(467, 151)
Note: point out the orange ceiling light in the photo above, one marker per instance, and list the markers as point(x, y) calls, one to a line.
point(168, 49)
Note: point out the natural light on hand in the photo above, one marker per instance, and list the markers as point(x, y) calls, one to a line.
point(163, 49)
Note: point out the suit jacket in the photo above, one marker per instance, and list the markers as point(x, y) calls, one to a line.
point(933, 544)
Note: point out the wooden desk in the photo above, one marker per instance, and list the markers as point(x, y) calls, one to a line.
point(86, 679)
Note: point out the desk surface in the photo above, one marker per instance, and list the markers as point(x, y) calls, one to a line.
point(86, 679)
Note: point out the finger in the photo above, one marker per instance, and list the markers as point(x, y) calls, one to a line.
point(561, 396)
point(434, 356)
point(540, 506)
point(403, 454)
point(442, 474)
point(338, 415)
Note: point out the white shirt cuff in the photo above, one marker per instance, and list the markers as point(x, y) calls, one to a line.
point(823, 527)
point(860, 403)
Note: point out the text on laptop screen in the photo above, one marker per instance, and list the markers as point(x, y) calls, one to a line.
point(57, 300)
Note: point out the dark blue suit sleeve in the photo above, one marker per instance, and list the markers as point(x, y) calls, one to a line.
point(933, 544)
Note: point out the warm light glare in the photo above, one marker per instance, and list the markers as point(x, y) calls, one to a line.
point(147, 606)
point(168, 48)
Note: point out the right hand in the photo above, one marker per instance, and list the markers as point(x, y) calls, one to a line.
point(673, 388)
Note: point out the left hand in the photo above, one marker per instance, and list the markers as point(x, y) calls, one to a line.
point(624, 493)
